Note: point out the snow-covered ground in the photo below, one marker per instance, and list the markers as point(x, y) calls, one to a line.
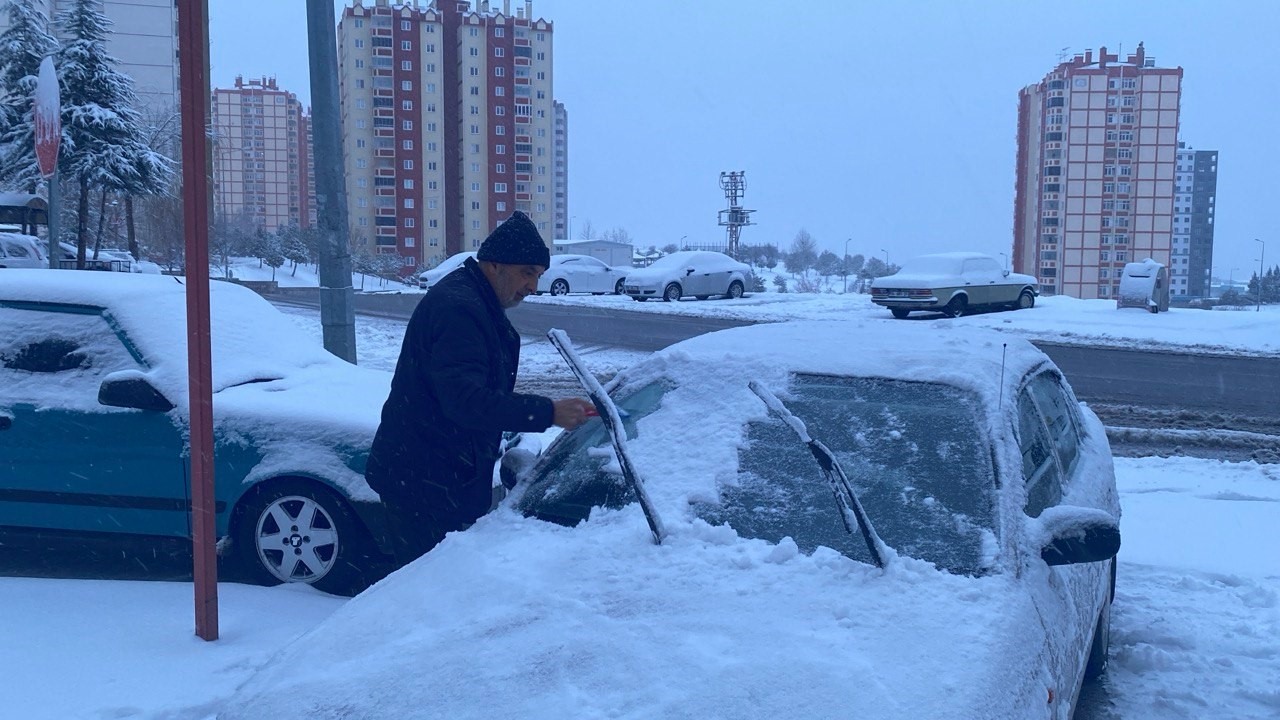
point(1196, 625)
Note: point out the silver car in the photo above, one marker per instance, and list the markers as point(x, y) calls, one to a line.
point(953, 283)
point(696, 273)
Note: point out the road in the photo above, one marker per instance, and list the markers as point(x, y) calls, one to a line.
point(1207, 385)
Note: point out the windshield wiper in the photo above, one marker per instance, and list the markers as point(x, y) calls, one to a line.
point(612, 420)
point(851, 511)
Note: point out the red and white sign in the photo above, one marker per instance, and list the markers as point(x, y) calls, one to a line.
point(48, 115)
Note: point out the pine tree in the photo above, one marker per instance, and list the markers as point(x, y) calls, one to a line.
point(101, 127)
point(23, 46)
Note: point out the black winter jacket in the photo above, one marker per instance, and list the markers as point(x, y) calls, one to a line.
point(452, 396)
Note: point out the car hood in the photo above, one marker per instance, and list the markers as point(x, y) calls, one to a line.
point(520, 618)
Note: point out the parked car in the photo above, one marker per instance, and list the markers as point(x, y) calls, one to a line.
point(94, 412)
point(698, 273)
point(108, 259)
point(997, 520)
point(21, 251)
point(581, 273)
point(954, 283)
point(427, 278)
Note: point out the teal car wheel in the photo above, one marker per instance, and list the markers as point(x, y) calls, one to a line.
point(297, 531)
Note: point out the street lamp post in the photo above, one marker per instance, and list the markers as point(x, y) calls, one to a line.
point(571, 218)
point(886, 258)
point(844, 267)
point(1261, 276)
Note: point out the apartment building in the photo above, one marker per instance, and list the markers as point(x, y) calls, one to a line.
point(1196, 187)
point(262, 169)
point(448, 123)
point(1096, 159)
point(144, 38)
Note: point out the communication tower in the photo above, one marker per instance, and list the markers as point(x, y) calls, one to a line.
point(735, 217)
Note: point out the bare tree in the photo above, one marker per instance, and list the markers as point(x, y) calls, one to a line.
point(588, 231)
point(618, 235)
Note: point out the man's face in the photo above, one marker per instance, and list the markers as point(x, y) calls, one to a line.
point(511, 283)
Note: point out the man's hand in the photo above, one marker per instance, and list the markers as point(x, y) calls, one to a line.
point(571, 412)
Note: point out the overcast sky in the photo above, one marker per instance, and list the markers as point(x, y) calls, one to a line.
point(888, 124)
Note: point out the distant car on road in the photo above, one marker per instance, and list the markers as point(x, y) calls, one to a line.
point(697, 273)
point(581, 274)
point(21, 251)
point(991, 491)
point(427, 278)
point(94, 425)
point(953, 283)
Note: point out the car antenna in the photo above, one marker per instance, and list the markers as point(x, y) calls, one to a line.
point(1004, 350)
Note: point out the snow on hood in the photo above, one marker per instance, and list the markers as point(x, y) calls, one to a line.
point(520, 618)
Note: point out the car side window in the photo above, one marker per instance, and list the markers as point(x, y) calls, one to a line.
point(1055, 406)
point(17, 251)
point(1040, 470)
point(57, 358)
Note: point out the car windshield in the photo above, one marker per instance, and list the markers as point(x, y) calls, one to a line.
point(912, 451)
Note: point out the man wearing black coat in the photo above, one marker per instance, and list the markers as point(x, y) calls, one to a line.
point(452, 395)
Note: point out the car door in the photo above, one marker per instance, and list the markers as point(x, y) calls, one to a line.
point(66, 461)
point(703, 279)
point(978, 281)
point(18, 255)
point(596, 276)
point(571, 271)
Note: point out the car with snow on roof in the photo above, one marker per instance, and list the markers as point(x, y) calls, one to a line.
point(581, 274)
point(430, 277)
point(953, 283)
point(94, 411)
point(697, 273)
point(840, 534)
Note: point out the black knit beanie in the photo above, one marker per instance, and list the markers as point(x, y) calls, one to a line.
point(515, 242)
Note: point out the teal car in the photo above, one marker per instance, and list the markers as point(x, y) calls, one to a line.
point(94, 434)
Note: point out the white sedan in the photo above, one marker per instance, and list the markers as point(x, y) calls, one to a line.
point(696, 273)
point(427, 278)
point(931, 551)
point(581, 274)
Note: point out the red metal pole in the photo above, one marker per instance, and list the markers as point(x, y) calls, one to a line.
point(193, 73)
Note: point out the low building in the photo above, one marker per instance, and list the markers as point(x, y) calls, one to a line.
point(607, 251)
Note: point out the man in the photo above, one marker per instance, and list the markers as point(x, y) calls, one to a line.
point(452, 395)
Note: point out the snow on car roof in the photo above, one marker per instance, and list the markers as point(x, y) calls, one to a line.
point(252, 341)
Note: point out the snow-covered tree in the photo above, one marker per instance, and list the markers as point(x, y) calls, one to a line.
point(618, 235)
point(23, 46)
point(803, 253)
point(102, 130)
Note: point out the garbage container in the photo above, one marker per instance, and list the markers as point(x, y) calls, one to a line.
point(1144, 285)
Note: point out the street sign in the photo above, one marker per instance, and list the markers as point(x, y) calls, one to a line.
point(48, 116)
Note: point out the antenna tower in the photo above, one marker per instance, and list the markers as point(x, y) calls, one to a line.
point(735, 217)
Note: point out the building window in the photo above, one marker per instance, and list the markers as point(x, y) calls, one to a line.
point(1104, 291)
point(429, 47)
point(499, 52)
point(408, 222)
point(475, 224)
point(362, 163)
point(499, 32)
point(475, 90)
point(362, 222)
point(407, 145)
point(406, 124)
point(359, 23)
point(359, 43)
point(408, 203)
point(406, 65)
point(406, 85)
point(499, 129)
point(499, 72)
point(499, 110)
point(499, 187)
point(473, 32)
point(359, 63)
point(475, 148)
point(499, 91)
point(500, 168)
point(408, 183)
point(499, 149)
point(475, 129)
point(362, 202)
point(500, 206)
point(473, 52)
point(360, 142)
point(475, 187)
point(408, 164)
point(406, 104)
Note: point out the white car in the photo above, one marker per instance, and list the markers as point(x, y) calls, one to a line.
point(696, 273)
point(111, 260)
point(581, 274)
point(21, 251)
point(951, 555)
point(954, 283)
point(427, 278)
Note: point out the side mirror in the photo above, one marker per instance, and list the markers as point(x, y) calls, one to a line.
point(1005, 273)
point(515, 463)
point(688, 271)
point(131, 389)
point(1068, 535)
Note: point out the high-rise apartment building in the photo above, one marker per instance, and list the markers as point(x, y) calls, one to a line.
point(261, 157)
point(1097, 152)
point(448, 124)
point(144, 38)
point(1196, 186)
point(561, 201)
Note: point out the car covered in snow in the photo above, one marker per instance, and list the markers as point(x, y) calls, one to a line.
point(843, 534)
point(581, 274)
point(427, 278)
point(21, 251)
point(953, 283)
point(94, 433)
point(697, 273)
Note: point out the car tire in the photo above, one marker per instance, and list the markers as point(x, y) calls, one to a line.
point(957, 307)
point(637, 298)
point(1026, 301)
point(1155, 309)
point(1100, 650)
point(617, 289)
point(673, 291)
point(735, 291)
point(900, 313)
point(344, 566)
point(559, 287)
